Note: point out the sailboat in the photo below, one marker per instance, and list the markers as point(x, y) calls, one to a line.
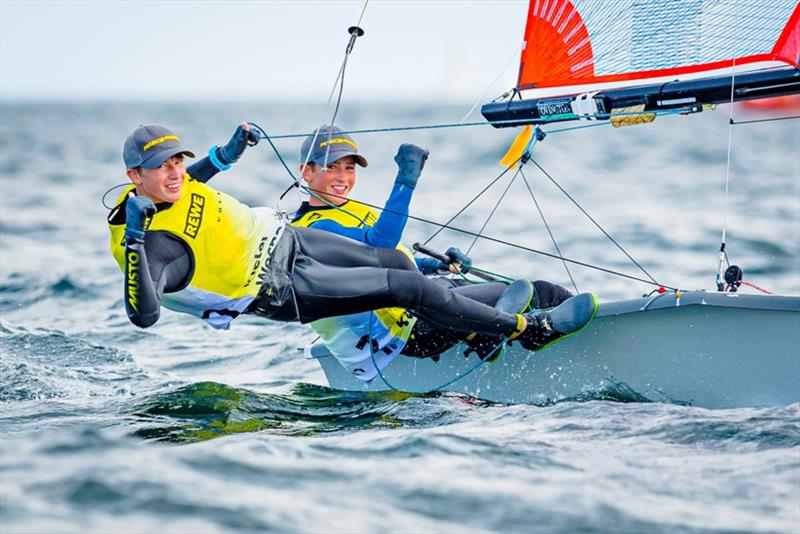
point(628, 62)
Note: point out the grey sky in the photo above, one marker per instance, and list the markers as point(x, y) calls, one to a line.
point(252, 50)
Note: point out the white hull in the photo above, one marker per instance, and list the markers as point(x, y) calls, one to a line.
point(706, 349)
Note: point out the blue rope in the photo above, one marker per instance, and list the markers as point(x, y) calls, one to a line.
point(438, 388)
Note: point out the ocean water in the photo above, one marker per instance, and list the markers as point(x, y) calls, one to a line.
point(179, 428)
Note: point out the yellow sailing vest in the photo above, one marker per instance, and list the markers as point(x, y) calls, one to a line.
point(346, 337)
point(351, 214)
point(230, 244)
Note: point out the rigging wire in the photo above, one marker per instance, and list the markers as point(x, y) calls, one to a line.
point(552, 237)
point(494, 209)
point(447, 225)
point(355, 32)
point(722, 259)
point(769, 119)
point(110, 189)
point(599, 227)
point(482, 98)
point(298, 184)
point(499, 241)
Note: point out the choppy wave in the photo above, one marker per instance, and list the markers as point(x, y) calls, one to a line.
point(46, 364)
point(19, 290)
point(209, 410)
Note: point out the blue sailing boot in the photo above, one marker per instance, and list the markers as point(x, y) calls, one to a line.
point(515, 299)
point(545, 327)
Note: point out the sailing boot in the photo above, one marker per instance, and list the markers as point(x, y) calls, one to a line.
point(515, 299)
point(544, 327)
point(548, 295)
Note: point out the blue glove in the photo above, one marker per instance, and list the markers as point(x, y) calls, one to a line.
point(410, 160)
point(231, 152)
point(457, 257)
point(430, 266)
point(137, 209)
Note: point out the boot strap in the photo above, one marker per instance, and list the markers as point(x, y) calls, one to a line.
point(519, 329)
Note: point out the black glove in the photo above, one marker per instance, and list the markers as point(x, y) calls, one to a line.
point(137, 209)
point(241, 139)
point(410, 160)
point(459, 258)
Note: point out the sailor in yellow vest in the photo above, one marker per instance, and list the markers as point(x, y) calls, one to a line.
point(186, 246)
point(329, 160)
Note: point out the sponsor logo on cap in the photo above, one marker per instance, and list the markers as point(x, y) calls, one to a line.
point(160, 140)
point(337, 141)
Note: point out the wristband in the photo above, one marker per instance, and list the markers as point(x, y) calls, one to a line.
point(212, 155)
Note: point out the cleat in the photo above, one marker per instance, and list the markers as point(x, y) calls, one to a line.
point(545, 327)
point(515, 299)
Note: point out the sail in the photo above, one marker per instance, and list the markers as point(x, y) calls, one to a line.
point(575, 47)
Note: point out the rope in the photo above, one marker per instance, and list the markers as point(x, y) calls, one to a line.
point(517, 246)
point(490, 273)
point(437, 388)
point(749, 284)
point(110, 189)
point(770, 119)
point(297, 183)
point(510, 122)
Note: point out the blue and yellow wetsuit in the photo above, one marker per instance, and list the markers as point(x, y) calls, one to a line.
point(359, 340)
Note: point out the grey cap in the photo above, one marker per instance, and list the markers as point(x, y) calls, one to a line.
point(330, 145)
point(151, 145)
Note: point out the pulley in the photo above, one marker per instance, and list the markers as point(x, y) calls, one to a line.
point(733, 277)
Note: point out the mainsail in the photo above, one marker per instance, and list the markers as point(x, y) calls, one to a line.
point(597, 58)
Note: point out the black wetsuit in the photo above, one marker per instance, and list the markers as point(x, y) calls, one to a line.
point(327, 275)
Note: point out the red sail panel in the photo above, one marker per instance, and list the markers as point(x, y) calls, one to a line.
point(788, 46)
point(647, 40)
point(557, 45)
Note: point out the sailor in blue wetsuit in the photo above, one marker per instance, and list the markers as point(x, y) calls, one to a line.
point(329, 160)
